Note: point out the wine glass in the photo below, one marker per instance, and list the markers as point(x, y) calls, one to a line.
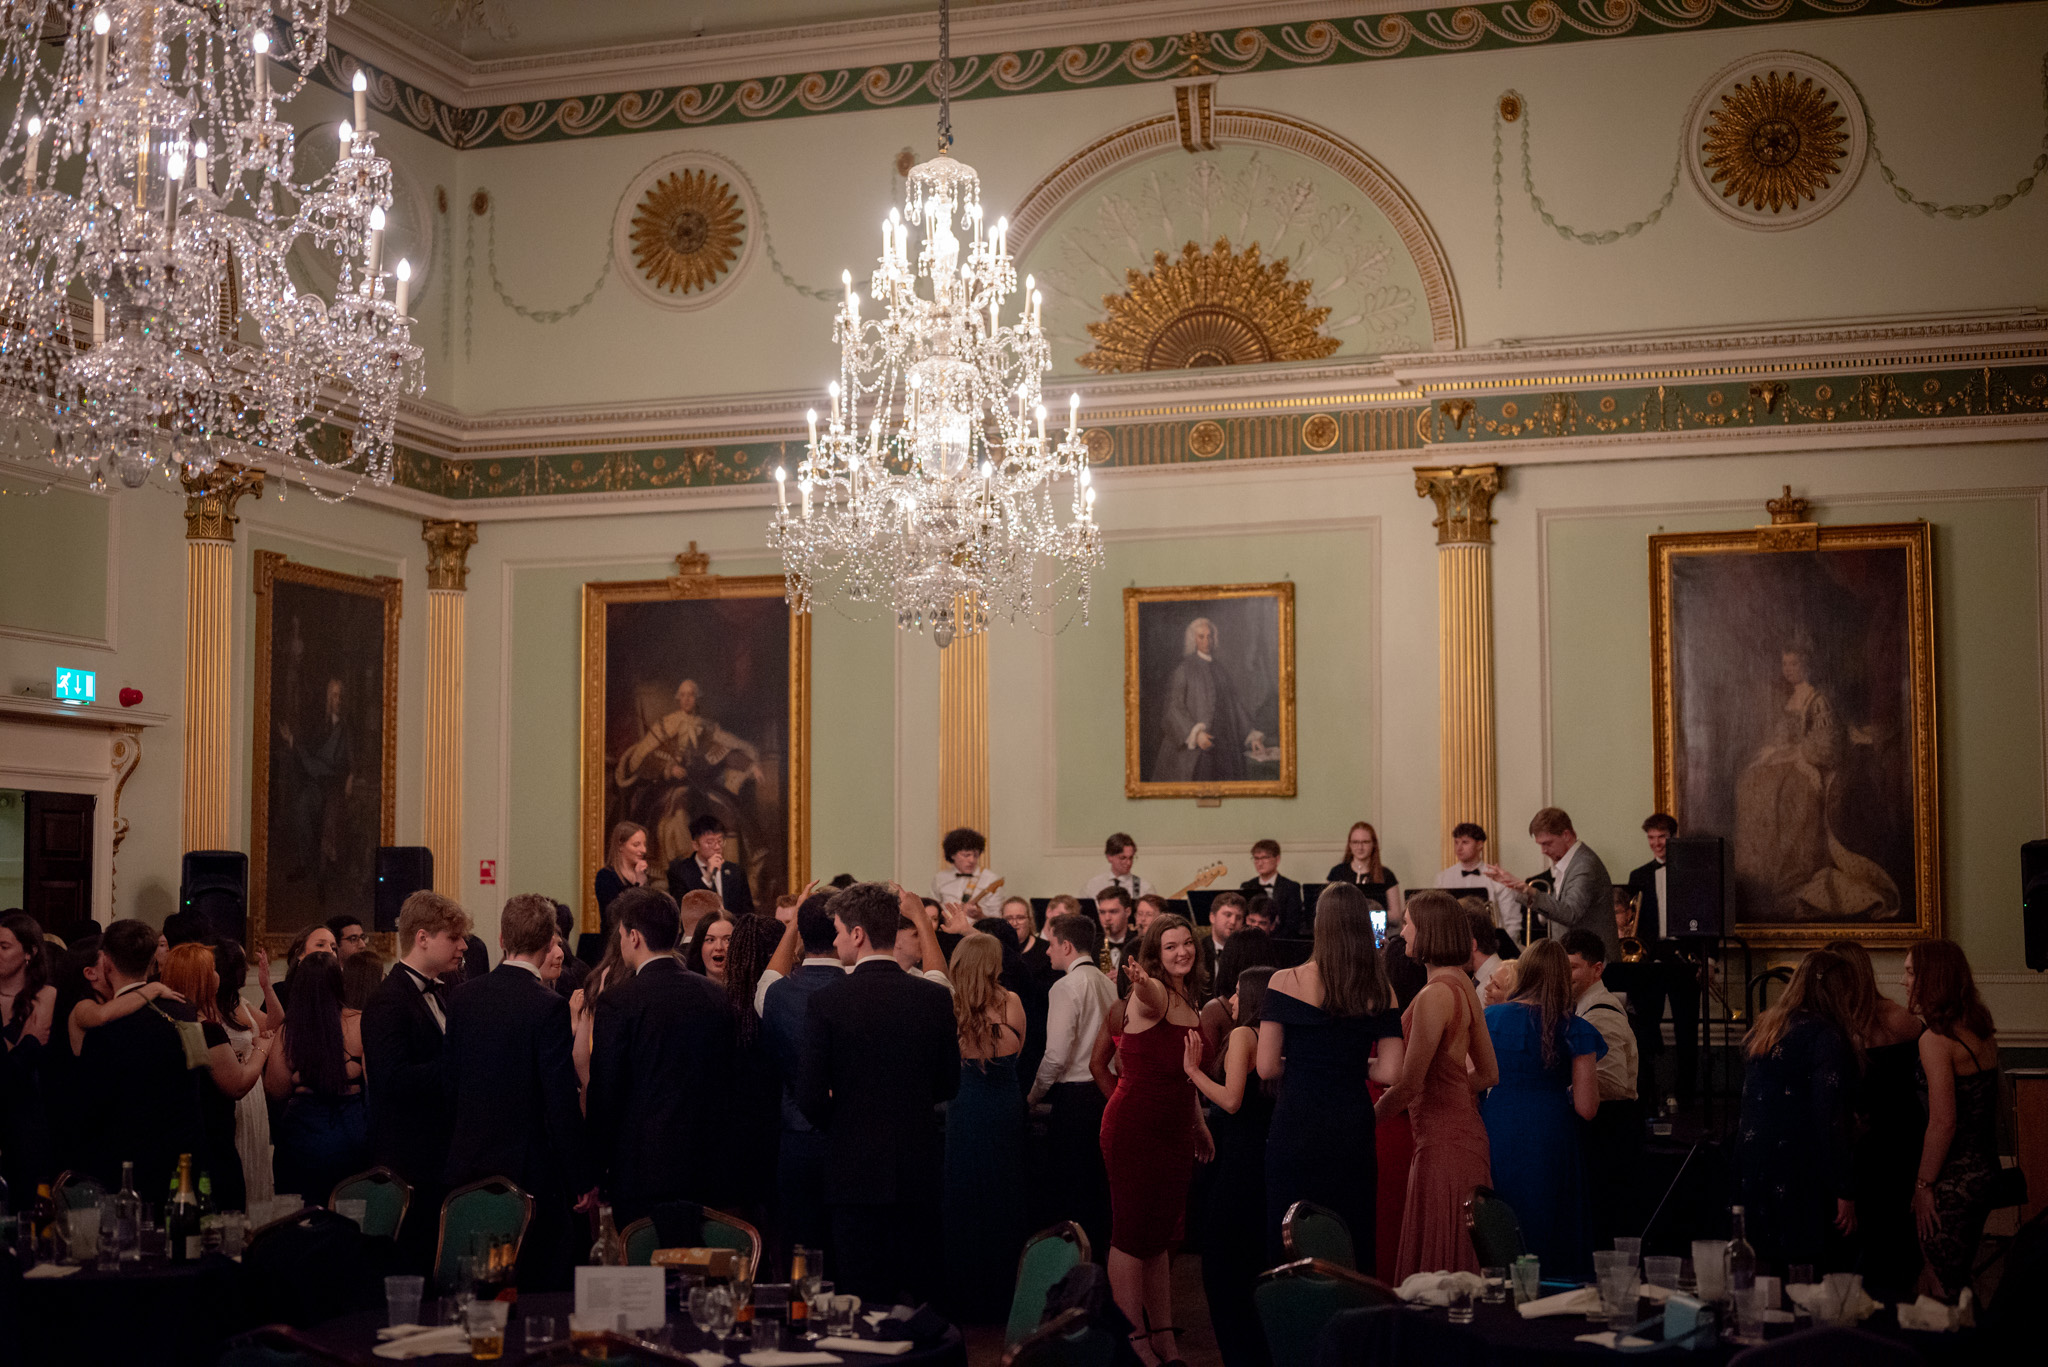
point(711, 1311)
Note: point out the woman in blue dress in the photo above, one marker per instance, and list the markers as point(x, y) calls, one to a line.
point(1547, 1056)
point(984, 1204)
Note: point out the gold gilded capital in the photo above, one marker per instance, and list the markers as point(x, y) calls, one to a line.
point(1464, 501)
point(448, 544)
point(210, 500)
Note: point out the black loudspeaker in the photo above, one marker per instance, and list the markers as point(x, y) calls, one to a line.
point(1697, 884)
point(402, 870)
point(215, 884)
point(2034, 901)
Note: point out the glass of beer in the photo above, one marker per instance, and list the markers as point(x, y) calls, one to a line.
point(485, 1321)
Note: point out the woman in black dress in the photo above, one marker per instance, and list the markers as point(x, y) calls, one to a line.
point(1959, 1154)
point(1793, 1155)
point(1240, 1111)
point(316, 1071)
point(1889, 1127)
point(625, 866)
point(190, 971)
point(1361, 867)
point(1316, 1038)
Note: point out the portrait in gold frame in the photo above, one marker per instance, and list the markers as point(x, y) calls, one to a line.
point(313, 831)
point(1250, 679)
point(1792, 669)
point(620, 713)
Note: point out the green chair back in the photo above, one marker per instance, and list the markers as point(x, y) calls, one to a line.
point(640, 1241)
point(1312, 1231)
point(1048, 1256)
point(1496, 1233)
point(730, 1231)
point(1066, 1340)
point(1296, 1301)
point(494, 1208)
point(76, 1191)
point(386, 1196)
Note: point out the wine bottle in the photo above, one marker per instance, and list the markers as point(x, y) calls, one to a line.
point(605, 1252)
point(181, 1218)
point(1741, 1257)
point(127, 1218)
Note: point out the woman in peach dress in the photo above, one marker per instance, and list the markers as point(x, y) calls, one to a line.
point(1449, 1062)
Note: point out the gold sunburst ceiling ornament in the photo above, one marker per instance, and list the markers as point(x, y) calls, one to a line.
point(1775, 141)
point(688, 231)
point(1219, 307)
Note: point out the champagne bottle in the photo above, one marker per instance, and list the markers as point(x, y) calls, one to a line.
point(181, 1218)
point(799, 1285)
point(127, 1218)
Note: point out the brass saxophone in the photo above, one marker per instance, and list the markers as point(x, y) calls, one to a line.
point(1625, 928)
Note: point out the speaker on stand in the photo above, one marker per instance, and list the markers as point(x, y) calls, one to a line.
point(214, 884)
point(2034, 902)
point(402, 870)
point(1699, 882)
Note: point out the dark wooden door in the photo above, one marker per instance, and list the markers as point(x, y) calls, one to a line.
point(56, 872)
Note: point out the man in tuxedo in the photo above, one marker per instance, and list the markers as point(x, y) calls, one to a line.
point(1468, 875)
point(1121, 851)
point(661, 1069)
point(405, 1027)
point(705, 867)
point(513, 1085)
point(141, 1095)
point(783, 1002)
point(1674, 968)
point(1226, 918)
point(1293, 920)
point(1119, 936)
point(880, 1052)
point(1646, 881)
point(1582, 895)
point(350, 937)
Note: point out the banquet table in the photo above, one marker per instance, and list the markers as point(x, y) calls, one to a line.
point(355, 1336)
point(176, 1314)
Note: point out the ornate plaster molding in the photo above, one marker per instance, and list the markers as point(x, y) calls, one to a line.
point(448, 542)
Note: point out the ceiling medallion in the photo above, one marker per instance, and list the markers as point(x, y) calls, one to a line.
point(1776, 140)
point(687, 223)
point(1212, 308)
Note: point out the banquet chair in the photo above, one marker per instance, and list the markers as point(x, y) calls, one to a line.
point(1308, 1230)
point(1385, 1336)
point(1048, 1256)
point(638, 1240)
point(384, 1192)
point(76, 1191)
point(1496, 1233)
point(685, 1224)
point(1065, 1340)
point(1296, 1300)
point(494, 1207)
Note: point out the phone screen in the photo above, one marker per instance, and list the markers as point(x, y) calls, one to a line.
point(1379, 929)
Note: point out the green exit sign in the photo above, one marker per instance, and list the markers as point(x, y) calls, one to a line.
point(76, 686)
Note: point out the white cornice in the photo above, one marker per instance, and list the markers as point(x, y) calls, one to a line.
point(424, 61)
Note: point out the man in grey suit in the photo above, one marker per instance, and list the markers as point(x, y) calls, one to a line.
point(1583, 895)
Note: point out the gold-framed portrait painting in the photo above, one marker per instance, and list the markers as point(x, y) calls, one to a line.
point(324, 763)
point(1209, 691)
point(696, 702)
point(1793, 675)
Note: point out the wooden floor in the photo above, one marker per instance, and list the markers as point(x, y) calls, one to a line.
point(1197, 1345)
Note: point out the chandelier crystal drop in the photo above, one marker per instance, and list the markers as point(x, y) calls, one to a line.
point(148, 324)
point(930, 483)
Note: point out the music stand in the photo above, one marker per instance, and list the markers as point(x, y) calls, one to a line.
point(1178, 906)
point(1309, 893)
point(1199, 902)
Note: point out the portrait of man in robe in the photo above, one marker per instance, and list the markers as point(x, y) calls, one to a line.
point(1209, 690)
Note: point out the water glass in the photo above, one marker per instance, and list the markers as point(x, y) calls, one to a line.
point(711, 1310)
point(1631, 1247)
point(82, 1226)
point(1710, 1268)
point(402, 1299)
point(234, 1233)
point(819, 1299)
point(1458, 1298)
point(840, 1314)
point(1661, 1271)
point(1618, 1294)
point(1528, 1278)
point(1496, 1281)
point(540, 1332)
point(1749, 1314)
point(485, 1321)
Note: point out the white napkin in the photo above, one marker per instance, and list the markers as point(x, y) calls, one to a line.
point(1931, 1316)
point(1605, 1339)
point(706, 1358)
point(775, 1357)
point(1584, 1301)
point(1832, 1307)
point(1426, 1288)
point(46, 1270)
point(884, 1347)
point(1655, 1294)
point(449, 1338)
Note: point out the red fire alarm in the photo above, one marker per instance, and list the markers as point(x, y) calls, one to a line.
point(130, 696)
point(487, 872)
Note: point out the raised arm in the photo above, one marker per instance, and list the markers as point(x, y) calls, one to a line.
point(90, 1015)
point(272, 1018)
point(233, 1077)
point(933, 960)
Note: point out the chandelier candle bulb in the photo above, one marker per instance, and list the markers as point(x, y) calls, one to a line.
point(32, 156)
point(376, 253)
point(811, 417)
point(199, 177)
point(174, 181)
point(361, 86)
point(782, 477)
point(260, 45)
point(101, 24)
point(347, 138)
point(404, 295)
point(99, 320)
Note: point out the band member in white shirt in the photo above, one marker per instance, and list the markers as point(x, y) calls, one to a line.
point(963, 880)
point(1078, 1006)
point(1121, 851)
point(1468, 842)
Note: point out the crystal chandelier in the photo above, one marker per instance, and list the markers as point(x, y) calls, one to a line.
point(932, 484)
point(148, 325)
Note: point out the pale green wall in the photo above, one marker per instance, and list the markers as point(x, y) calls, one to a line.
point(53, 560)
point(13, 833)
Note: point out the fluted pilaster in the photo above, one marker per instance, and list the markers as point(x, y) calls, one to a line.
point(210, 649)
point(448, 546)
point(963, 731)
point(1463, 496)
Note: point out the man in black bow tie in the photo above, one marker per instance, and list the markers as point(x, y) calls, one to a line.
point(405, 1027)
point(1468, 875)
point(1671, 972)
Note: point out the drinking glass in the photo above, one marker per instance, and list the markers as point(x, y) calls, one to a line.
point(840, 1315)
point(820, 1302)
point(83, 1227)
point(586, 1335)
point(1496, 1279)
point(1770, 1286)
point(540, 1331)
point(1687, 1283)
point(1618, 1294)
point(1710, 1268)
point(1661, 1271)
point(1528, 1277)
point(1633, 1248)
point(1458, 1298)
point(402, 1299)
point(1749, 1314)
point(485, 1321)
point(234, 1233)
point(711, 1310)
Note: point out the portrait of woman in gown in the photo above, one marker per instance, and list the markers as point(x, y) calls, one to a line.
point(1788, 856)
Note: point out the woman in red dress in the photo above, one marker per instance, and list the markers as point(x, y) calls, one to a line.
point(1152, 1129)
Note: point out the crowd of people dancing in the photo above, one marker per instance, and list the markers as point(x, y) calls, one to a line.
point(914, 1083)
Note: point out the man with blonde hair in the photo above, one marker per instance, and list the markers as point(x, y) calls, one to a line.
point(695, 906)
point(1581, 895)
point(405, 1026)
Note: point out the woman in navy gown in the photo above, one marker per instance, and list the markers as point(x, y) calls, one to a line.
point(984, 1206)
point(1547, 1057)
point(1316, 1038)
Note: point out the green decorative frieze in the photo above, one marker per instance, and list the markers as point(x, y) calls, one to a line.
point(1422, 32)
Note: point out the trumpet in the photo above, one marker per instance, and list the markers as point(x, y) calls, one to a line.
point(1625, 924)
